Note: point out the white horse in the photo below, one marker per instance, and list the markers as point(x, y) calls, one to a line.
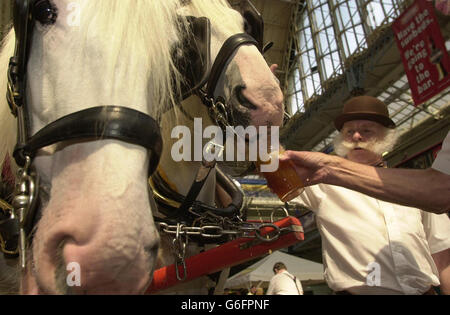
point(117, 52)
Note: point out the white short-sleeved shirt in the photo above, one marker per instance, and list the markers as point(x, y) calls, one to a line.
point(442, 161)
point(283, 283)
point(374, 247)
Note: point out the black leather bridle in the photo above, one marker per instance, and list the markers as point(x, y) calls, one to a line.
point(112, 121)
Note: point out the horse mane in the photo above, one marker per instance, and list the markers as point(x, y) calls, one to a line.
point(8, 125)
point(146, 27)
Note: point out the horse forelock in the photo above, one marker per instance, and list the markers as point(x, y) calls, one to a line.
point(8, 274)
point(7, 122)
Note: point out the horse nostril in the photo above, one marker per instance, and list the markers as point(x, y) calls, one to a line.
point(242, 99)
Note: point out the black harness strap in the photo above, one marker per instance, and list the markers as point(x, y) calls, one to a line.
point(197, 185)
point(254, 22)
point(9, 231)
point(173, 212)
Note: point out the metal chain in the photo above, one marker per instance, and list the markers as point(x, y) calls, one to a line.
point(216, 231)
point(236, 228)
point(219, 113)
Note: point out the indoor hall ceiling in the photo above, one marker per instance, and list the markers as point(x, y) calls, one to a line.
point(380, 70)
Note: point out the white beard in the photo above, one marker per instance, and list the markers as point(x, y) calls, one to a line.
point(377, 146)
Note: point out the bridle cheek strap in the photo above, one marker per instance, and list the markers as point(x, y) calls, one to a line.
point(224, 56)
point(217, 108)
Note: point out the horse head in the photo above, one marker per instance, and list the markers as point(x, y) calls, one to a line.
point(95, 215)
point(237, 89)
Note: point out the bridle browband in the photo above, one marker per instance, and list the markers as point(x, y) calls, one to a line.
point(116, 122)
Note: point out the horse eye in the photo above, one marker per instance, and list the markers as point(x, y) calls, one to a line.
point(45, 12)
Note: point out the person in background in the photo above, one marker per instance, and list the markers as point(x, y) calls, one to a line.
point(283, 283)
point(372, 246)
point(252, 290)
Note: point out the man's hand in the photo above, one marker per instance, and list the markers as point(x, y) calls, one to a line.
point(311, 167)
point(273, 68)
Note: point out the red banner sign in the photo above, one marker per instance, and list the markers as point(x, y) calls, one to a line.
point(422, 47)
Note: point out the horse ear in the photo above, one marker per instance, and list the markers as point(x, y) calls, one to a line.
point(193, 57)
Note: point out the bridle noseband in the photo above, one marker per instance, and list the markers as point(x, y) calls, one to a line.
point(97, 123)
point(216, 105)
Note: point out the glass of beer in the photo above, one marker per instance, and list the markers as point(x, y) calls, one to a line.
point(284, 182)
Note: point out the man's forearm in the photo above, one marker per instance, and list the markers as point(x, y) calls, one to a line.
point(442, 261)
point(425, 189)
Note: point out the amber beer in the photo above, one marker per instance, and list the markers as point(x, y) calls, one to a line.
point(284, 182)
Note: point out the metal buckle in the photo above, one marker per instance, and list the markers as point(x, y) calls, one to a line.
point(24, 203)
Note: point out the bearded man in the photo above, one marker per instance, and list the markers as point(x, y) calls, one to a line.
point(370, 246)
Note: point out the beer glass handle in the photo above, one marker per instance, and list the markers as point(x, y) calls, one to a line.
point(279, 208)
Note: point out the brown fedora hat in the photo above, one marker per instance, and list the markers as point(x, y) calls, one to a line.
point(364, 108)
